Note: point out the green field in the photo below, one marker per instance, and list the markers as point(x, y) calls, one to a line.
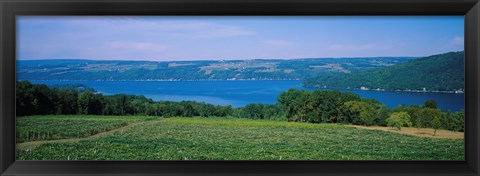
point(143, 138)
point(50, 127)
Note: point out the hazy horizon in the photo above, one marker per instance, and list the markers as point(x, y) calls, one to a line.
point(52, 59)
point(149, 38)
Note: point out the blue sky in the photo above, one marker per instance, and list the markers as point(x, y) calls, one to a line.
point(212, 38)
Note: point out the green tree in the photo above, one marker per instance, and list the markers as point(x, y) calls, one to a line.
point(24, 99)
point(207, 110)
point(317, 106)
point(367, 117)
point(293, 102)
point(223, 111)
point(357, 112)
point(188, 110)
point(382, 114)
point(416, 116)
point(122, 102)
point(428, 115)
point(67, 102)
point(453, 121)
point(84, 100)
point(351, 112)
point(398, 120)
point(137, 106)
point(252, 111)
point(89, 103)
point(436, 123)
point(430, 104)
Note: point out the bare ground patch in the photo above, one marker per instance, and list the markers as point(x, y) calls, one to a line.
point(419, 132)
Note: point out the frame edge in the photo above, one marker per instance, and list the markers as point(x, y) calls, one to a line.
point(7, 94)
point(472, 29)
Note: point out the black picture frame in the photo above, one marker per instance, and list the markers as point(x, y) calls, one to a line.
point(11, 8)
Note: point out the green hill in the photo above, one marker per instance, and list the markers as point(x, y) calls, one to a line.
point(258, 69)
point(442, 72)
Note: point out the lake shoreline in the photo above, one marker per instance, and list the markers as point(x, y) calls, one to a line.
point(319, 88)
point(384, 90)
point(242, 93)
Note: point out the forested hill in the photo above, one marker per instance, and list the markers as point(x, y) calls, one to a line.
point(258, 69)
point(443, 72)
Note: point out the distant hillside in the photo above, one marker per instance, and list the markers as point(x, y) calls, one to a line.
point(259, 69)
point(443, 72)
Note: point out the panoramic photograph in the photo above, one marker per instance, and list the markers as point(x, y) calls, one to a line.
point(240, 88)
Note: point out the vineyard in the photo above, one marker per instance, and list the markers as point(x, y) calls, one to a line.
point(34, 128)
point(224, 139)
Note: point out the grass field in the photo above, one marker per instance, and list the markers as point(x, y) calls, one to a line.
point(143, 138)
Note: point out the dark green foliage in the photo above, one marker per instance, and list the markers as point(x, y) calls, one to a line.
point(60, 99)
point(357, 112)
point(429, 115)
point(443, 72)
point(67, 102)
point(317, 106)
point(381, 117)
point(41, 100)
point(35, 99)
point(331, 107)
point(260, 111)
point(453, 121)
point(89, 103)
point(430, 104)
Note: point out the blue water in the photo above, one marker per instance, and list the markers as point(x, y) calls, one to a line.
point(240, 93)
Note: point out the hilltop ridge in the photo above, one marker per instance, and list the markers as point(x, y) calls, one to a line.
point(441, 72)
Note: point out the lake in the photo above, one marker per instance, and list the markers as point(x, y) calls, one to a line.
point(240, 93)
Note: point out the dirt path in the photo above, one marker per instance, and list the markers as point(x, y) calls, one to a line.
point(422, 132)
point(33, 144)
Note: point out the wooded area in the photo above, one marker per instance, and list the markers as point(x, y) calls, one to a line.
point(319, 106)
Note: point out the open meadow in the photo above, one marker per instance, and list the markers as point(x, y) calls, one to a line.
point(82, 137)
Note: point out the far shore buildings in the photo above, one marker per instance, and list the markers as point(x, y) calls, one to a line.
point(364, 88)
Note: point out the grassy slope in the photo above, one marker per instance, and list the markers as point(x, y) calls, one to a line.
point(241, 139)
point(438, 72)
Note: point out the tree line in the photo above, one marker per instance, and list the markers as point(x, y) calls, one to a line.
point(319, 106)
point(33, 99)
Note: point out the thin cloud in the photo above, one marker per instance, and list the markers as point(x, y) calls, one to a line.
point(151, 37)
point(164, 28)
point(454, 44)
point(361, 47)
point(139, 46)
point(458, 41)
point(116, 37)
point(222, 31)
point(278, 43)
